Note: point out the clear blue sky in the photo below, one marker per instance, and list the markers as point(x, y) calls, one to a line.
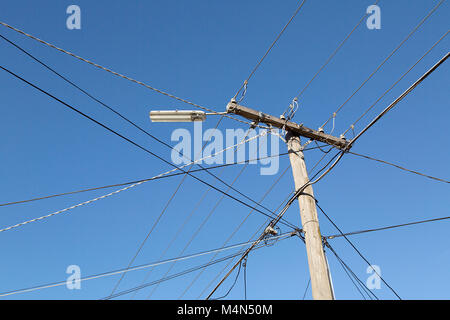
point(202, 51)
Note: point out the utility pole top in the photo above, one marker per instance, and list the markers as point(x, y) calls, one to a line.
point(321, 286)
point(299, 129)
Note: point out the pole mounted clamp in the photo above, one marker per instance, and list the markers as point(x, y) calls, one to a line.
point(231, 106)
point(271, 231)
point(261, 116)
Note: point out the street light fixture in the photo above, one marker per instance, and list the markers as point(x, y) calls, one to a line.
point(179, 115)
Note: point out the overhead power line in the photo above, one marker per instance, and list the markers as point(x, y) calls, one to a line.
point(106, 196)
point(211, 212)
point(116, 73)
point(140, 180)
point(129, 140)
point(158, 219)
point(244, 85)
point(334, 53)
point(200, 227)
point(236, 230)
point(400, 98)
point(352, 126)
point(386, 228)
point(385, 60)
point(121, 115)
point(135, 268)
point(350, 144)
point(356, 249)
point(289, 196)
point(144, 180)
point(233, 285)
point(311, 181)
point(301, 3)
point(398, 167)
point(306, 289)
point(268, 222)
point(284, 236)
point(352, 276)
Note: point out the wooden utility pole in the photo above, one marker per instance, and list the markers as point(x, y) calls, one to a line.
point(318, 266)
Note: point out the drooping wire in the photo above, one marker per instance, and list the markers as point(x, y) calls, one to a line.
point(356, 249)
point(273, 222)
point(232, 286)
point(352, 126)
point(245, 277)
point(301, 3)
point(281, 237)
point(400, 98)
point(119, 114)
point(141, 180)
point(282, 212)
point(333, 54)
point(233, 233)
point(306, 289)
point(240, 225)
point(387, 227)
point(128, 140)
point(399, 167)
point(163, 212)
point(211, 212)
point(111, 194)
point(136, 268)
point(357, 282)
point(116, 73)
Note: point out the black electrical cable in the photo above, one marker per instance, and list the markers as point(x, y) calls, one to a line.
point(301, 3)
point(133, 182)
point(282, 212)
point(125, 118)
point(386, 228)
point(179, 274)
point(156, 222)
point(400, 98)
point(137, 145)
point(233, 285)
point(356, 249)
point(352, 275)
point(306, 289)
point(245, 278)
point(399, 167)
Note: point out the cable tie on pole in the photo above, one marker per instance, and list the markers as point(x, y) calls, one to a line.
point(243, 92)
point(297, 232)
point(270, 230)
point(289, 113)
point(325, 242)
point(244, 261)
point(306, 143)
